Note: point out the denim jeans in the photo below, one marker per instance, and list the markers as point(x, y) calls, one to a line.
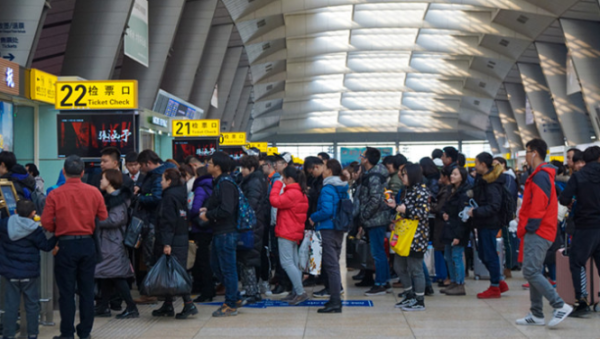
point(456, 265)
point(288, 256)
point(224, 265)
point(488, 254)
point(382, 267)
point(410, 271)
point(29, 289)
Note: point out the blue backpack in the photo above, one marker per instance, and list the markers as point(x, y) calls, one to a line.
point(246, 219)
point(342, 220)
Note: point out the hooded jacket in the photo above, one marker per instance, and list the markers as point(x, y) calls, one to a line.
point(151, 192)
point(334, 189)
point(23, 182)
point(292, 208)
point(203, 188)
point(115, 259)
point(416, 201)
point(584, 187)
point(172, 228)
point(373, 210)
point(455, 228)
point(487, 193)
point(254, 188)
point(21, 240)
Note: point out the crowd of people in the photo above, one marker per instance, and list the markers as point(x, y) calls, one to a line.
point(195, 212)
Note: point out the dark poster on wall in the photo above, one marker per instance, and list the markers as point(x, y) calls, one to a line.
point(86, 135)
point(235, 152)
point(200, 148)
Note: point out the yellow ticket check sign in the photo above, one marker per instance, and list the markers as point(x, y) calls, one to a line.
point(263, 147)
point(196, 128)
point(100, 95)
point(233, 139)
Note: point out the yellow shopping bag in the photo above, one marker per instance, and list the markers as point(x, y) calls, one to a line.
point(403, 235)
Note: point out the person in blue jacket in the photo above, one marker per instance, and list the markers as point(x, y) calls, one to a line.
point(21, 240)
point(334, 190)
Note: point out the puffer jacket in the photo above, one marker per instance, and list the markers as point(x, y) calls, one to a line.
point(395, 184)
point(487, 193)
point(373, 210)
point(172, 227)
point(455, 228)
point(24, 183)
point(151, 193)
point(292, 206)
point(416, 200)
point(254, 188)
point(21, 240)
point(584, 187)
point(203, 187)
point(334, 189)
point(437, 206)
point(115, 260)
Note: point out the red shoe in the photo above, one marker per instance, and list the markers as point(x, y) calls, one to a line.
point(503, 286)
point(491, 293)
point(525, 286)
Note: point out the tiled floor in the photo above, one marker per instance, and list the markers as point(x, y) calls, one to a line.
point(445, 317)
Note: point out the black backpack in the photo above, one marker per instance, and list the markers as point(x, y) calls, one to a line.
point(342, 220)
point(507, 207)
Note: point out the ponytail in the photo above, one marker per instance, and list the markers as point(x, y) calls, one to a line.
point(298, 176)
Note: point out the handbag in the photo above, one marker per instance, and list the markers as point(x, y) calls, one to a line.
point(245, 240)
point(315, 253)
point(363, 252)
point(304, 252)
point(403, 235)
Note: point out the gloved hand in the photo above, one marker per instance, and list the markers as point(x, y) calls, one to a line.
point(512, 226)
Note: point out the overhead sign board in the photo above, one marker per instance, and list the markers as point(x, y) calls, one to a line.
point(196, 128)
point(100, 95)
point(9, 77)
point(263, 147)
point(272, 150)
point(18, 26)
point(41, 86)
point(233, 139)
point(136, 37)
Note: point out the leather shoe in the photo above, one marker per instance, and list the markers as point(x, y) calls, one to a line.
point(128, 314)
point(331, 307)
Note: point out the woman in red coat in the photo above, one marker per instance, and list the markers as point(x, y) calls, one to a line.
point(292, 206)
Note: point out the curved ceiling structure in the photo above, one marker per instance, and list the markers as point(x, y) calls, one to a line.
point(387, 67)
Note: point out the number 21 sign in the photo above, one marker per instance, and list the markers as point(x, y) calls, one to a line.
point(196, 128)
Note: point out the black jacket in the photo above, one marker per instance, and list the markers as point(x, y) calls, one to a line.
point(222, 206)
point(151, 193)
point(255, 190)
point(172, 227)
point(584, 187)
point(20, 245)
point(487, 193)
point(315, 187)
point(455, 228)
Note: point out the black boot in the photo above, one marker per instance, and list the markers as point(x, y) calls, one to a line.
point(360, 276)
point(188, 310)
point(166, 310)
point(429, 290)
point(203, 298)
point(331, 307)
point(129, 313)
point(103, 313)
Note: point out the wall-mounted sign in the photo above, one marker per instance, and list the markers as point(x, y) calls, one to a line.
point(233, 139)
point(136, 37)
point(263, 147)
point(41, 86)
point(9, 77)
point(196, 128)
point(272, 150)
point(111, 94)
point(160, 122)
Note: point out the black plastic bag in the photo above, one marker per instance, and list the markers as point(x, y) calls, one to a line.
point(167, 278)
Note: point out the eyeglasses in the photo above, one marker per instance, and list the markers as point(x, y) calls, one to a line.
point(362, 156)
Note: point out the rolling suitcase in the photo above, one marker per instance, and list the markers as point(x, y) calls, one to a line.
point(564, 280)
point(479, 269)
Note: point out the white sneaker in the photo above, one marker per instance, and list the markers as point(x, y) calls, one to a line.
point(265, 288)
point(531, 320)
point(560, 314)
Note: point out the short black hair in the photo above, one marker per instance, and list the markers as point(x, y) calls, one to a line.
point(502, 162)
point(25, 208)
point(113, 152)
point(451, 152)
point(191, 159)
point(249, 161)
point(560, 167)
point(577, 156)
point(576, 150)
point(271, 160)
point(74, 166)
point(395, 160)
point(539, 146)
point(335, 167)
point(324, 156)
point(9, 159)
point(462, 160)
point(310, 162)
point(414, 174)
point(131, 157)
point(33, 169)
point(149, 156)
point(485, 158)
point(222, 160)
point(373, 155)
point(437, 153)
point(591, 154)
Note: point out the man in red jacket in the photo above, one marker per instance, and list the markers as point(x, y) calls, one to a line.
point(537, 230)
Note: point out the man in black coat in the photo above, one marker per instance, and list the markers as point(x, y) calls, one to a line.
point(111, 156)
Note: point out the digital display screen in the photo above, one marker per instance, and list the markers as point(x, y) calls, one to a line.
point(176, 109)
point(200, 148)
point(10, 199)
point(86, 135)
point(235, 152)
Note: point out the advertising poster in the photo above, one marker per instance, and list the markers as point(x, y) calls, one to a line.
point(6, 126)
point(86, 135)
point(200, 148)
point(235, 152)
point(350, 154)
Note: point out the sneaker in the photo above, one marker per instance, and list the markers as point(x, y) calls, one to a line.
point(560, 314)
point(531, 320)
point(365, 283)
point(310, 281)
point(525, 286)
point(279, 291)
point(443, 290)
point(456, 290)
point(377, 290)
point(503, 286)
point(298, 299)
point(264, 287)
point(491, 293)
point(407, 298)
point(225, 311)
point(581, 309)
point(429, 290)
point(414, 305)
point(322, 294)
point(507, 273)
point(289, 297)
